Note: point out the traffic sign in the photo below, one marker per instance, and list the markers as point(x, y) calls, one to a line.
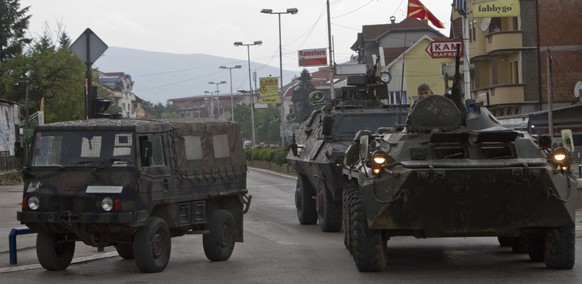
point(444, 48)
point(88, 47)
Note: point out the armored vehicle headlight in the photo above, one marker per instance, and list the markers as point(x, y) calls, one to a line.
point(33, 203)
point(385, 77)
point(107, 204)
point(561, 158)
point(379, 158)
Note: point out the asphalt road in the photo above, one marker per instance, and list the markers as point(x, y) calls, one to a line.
point(279, 250)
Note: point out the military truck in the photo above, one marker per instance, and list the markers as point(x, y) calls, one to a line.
point(317, 152)
point(454, 171)
point(134, 184)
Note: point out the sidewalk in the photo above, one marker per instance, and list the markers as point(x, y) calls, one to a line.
point(10, 196)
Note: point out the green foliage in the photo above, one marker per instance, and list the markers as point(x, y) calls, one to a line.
point(58, 76)
point(276, 155)
point(301, 96)
point(13, 25)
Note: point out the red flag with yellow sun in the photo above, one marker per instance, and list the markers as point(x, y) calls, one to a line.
point(418, 10)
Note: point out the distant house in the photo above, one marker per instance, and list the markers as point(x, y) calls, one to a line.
point(119, 87)
point(209, 105)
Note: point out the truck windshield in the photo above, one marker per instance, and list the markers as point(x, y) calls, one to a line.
point(82, 149)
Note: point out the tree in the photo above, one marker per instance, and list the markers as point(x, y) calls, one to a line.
point(13, 25)
point(300, 97)
point(58, 76)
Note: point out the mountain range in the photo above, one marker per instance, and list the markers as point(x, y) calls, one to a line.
point(159, 76)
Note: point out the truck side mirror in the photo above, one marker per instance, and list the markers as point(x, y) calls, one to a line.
point(17, 150)
point(327, 125)
point(145, 152)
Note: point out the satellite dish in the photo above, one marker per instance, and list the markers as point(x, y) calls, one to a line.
point(578, 89)
point(485, 22)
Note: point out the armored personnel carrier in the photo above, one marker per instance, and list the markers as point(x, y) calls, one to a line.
point(317, 153)
point(134, 184)
point(454, 171)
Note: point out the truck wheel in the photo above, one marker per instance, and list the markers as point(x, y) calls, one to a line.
point(519, 244)
point(125, 250)
point(368, 246)
point(330, 216)
point(54, 251)
point(536, 244)
point(346, 212)
point(504, 241)
point(560, 248)
point(304, 202)
point(219, 243)
point(152, 246)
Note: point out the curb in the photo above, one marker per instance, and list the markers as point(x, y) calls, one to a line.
point(75, 261)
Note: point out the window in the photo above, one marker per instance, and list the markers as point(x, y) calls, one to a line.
point(220, 143)
point(152, 151)
point(193, 147)
point(91, 147)
point(514, 72)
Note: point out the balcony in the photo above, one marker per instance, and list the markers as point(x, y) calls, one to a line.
point(506, 94)
point(502, 41)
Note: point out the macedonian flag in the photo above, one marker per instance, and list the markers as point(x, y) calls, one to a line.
point(418, 10)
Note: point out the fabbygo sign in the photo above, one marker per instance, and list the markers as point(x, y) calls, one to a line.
point(313, 57)
point(444, 48)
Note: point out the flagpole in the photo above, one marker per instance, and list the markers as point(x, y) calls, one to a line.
point(402, 77)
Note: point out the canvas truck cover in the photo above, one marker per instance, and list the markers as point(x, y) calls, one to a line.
point(209, 149)
point(204, 149)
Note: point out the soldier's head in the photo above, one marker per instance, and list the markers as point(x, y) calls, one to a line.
point(424, 91)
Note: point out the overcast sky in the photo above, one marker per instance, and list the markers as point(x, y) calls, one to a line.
point(212, 26)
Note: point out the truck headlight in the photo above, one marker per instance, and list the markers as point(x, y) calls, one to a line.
point(561, 158)
point(107, 204)
point(33, 203)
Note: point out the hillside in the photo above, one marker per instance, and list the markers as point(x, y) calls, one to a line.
point(161, 76)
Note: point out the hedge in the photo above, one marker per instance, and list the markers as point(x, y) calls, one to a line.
point(276, 155)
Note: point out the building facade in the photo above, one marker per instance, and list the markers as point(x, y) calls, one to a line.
point(119, 89)
point(519, 62)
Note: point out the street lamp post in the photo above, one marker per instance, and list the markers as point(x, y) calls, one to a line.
point(217, 97)
point(248, 45)
point(231, 94)
point(291, 11)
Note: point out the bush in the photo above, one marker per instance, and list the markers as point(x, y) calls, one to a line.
point(276, 155)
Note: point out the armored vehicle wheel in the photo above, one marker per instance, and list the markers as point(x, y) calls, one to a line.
point(219, 243)
point(125, 250)
point(536, 244)
point(368, 246)
point(330, 216)
point(54, 251)
point(560, 248)
point(152, 246)
point(347, 205)
point(304, 202)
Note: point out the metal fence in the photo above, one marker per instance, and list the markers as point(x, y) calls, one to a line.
point(8, 163)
